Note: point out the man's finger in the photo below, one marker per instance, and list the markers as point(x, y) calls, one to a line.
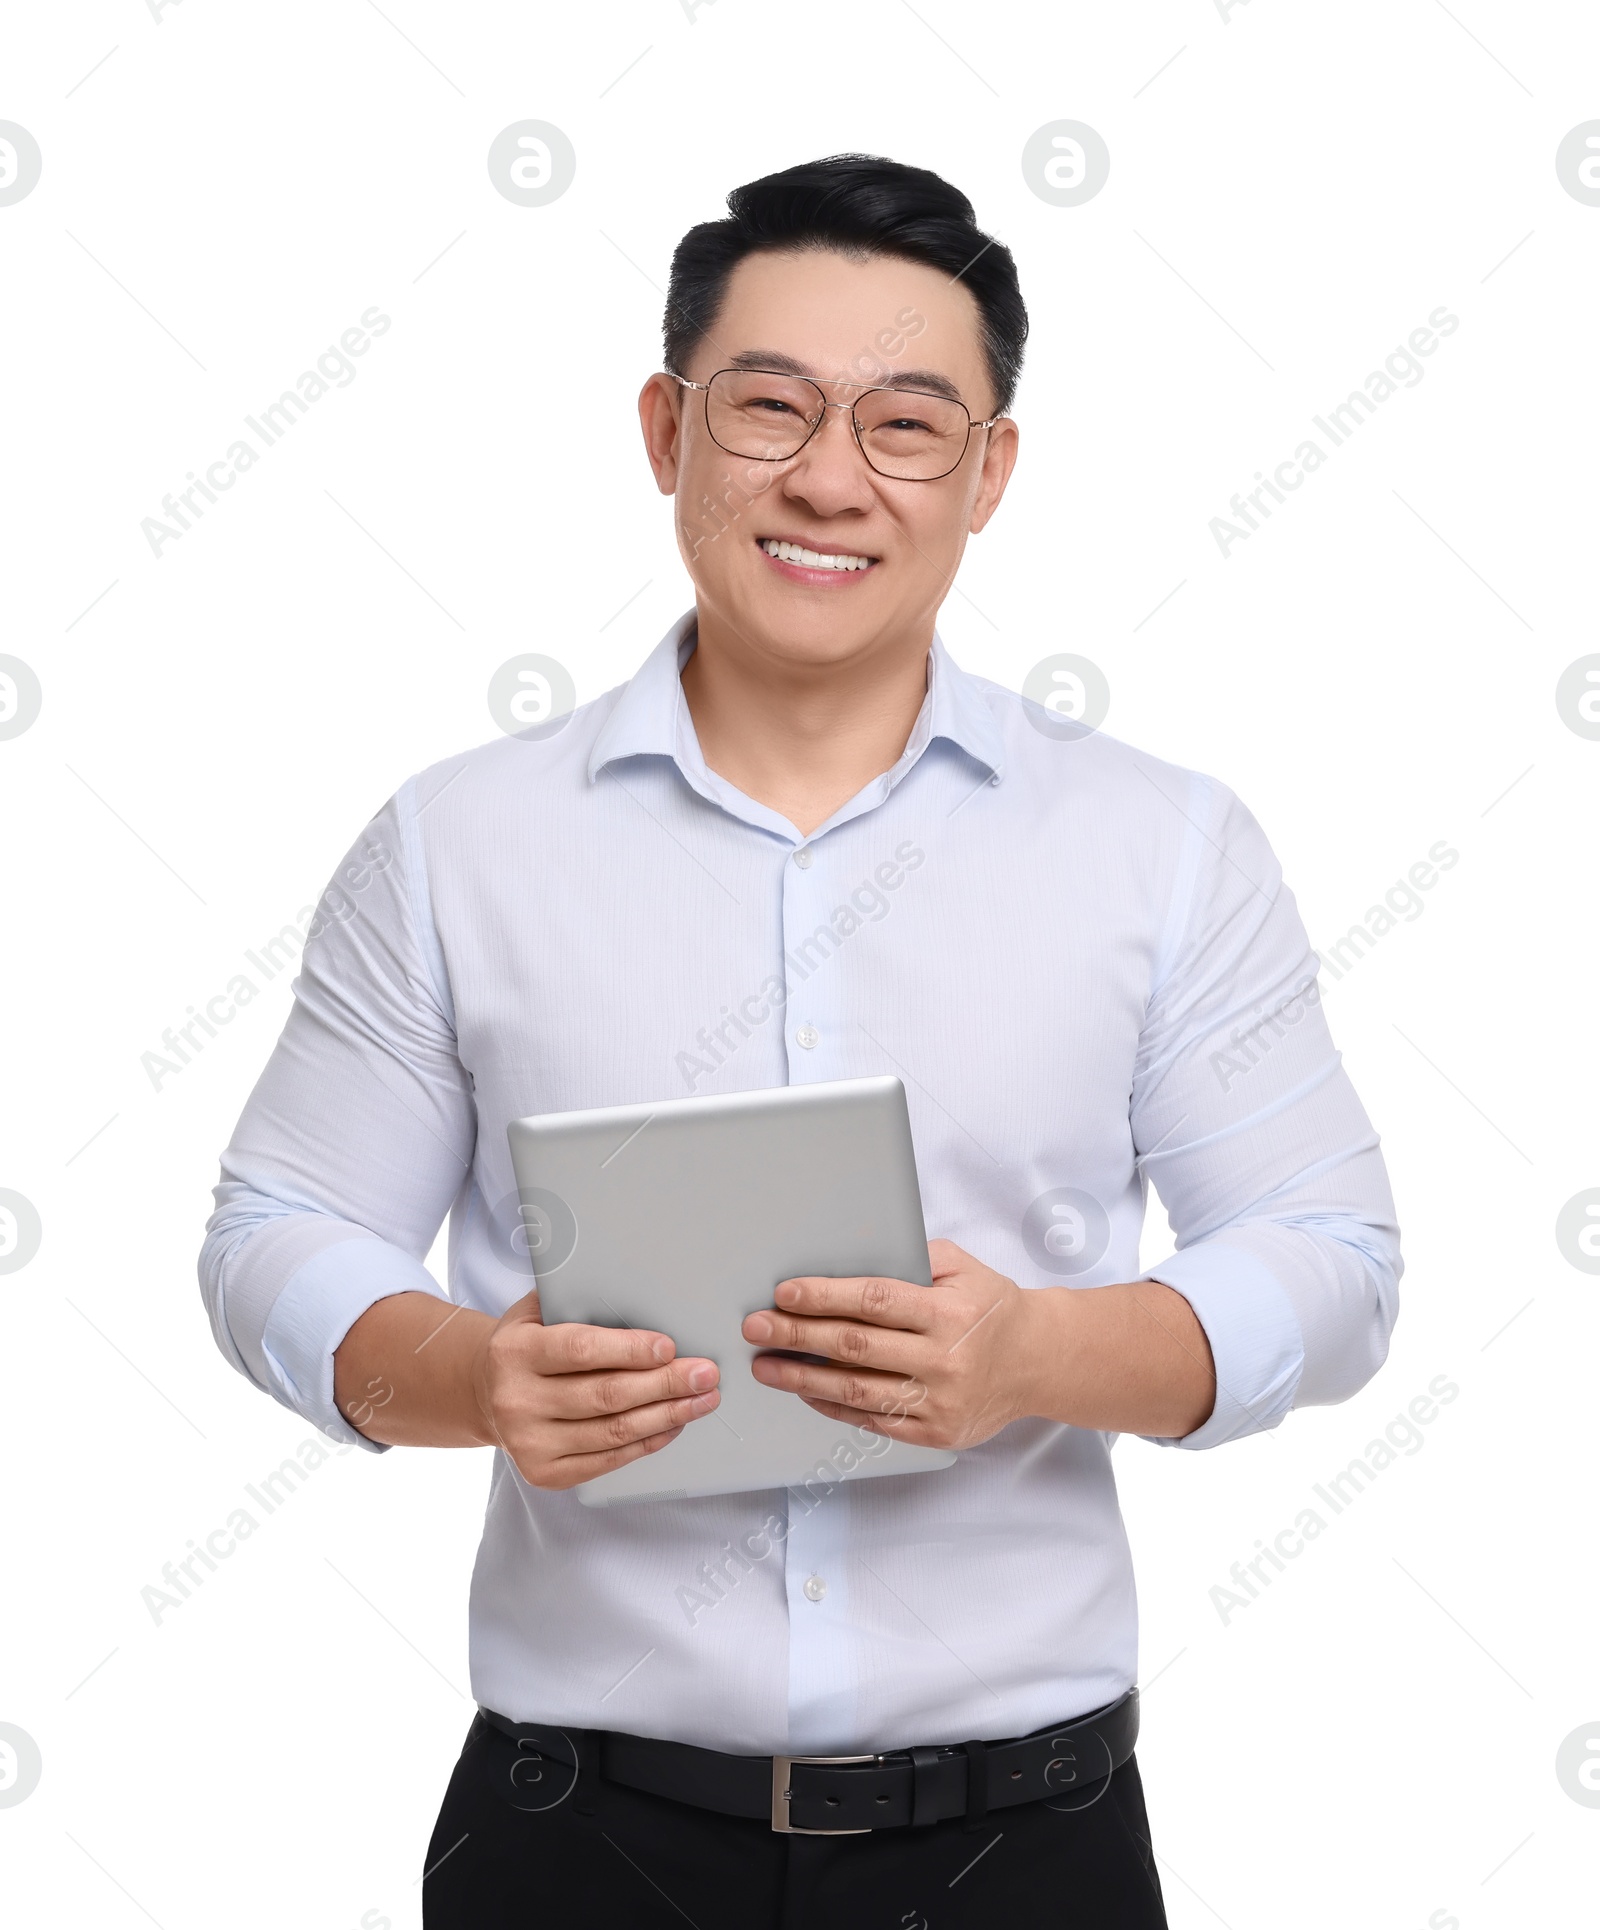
point(573, 1348)
point(852, 1342)
point(872, 1392)
point(878, 1302)
point(573, 1470)
point(609, 1432)
point(576, 1397)
point(898, 1424)
point(945, 1258)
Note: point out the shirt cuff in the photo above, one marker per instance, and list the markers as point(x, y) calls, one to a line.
point(320, 1302)
point(1256, 1344)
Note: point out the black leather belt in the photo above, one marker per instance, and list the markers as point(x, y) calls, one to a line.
point(832, 1795)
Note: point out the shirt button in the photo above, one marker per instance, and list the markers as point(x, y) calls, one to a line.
point(804, 856)
point(808, 1035)
point(815, 1589)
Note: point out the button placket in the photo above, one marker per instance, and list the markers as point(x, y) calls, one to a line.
point(824, 1685)
point(808, 945)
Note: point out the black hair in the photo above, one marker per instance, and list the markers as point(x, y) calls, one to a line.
point(857, 205)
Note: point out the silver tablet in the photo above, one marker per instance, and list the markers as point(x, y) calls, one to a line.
point(684, 1215)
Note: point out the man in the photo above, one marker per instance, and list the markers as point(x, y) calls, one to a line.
point(802, 845)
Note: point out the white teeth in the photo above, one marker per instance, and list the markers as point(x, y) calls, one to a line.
point(812, 559)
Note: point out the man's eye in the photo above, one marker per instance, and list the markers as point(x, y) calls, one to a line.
point(905, 425)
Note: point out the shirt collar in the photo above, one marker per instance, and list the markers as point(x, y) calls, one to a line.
point(651, 717)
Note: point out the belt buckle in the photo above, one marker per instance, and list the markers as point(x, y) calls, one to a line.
point(781, 1766)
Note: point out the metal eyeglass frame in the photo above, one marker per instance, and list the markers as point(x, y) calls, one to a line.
point(887, 388)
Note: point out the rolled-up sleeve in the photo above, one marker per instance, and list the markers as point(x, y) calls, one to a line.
point(1251, 1132)
point(355, 1140)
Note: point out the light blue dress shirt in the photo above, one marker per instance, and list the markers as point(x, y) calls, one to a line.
point(1085, 967)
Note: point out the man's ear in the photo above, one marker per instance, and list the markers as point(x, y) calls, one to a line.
point(661, 421)
point(999, 459)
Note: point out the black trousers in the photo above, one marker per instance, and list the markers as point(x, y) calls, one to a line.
point(506, 1853)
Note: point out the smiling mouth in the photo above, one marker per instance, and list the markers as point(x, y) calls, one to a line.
point(840, 561)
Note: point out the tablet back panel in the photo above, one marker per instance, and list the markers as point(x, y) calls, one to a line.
point(683, 1216)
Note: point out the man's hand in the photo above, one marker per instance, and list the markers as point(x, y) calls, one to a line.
point(565, 1402)
point(943, 1366)
point(570, 1402)
point(951, 1364)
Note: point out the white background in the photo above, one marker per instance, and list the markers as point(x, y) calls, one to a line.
point(1373, 1740)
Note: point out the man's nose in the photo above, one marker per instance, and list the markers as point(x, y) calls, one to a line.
point(831, 471)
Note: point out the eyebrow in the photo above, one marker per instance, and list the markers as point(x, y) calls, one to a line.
point(927, 380)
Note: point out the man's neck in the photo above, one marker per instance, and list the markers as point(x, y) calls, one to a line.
point(801, 739)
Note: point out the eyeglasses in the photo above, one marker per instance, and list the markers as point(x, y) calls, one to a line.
point(765, 416)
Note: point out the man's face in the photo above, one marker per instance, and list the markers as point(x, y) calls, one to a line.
point(843, 323)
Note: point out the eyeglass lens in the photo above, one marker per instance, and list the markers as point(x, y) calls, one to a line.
point(904, 433)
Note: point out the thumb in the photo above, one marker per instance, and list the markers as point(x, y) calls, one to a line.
point(945, 1258)
point(525, 1309)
